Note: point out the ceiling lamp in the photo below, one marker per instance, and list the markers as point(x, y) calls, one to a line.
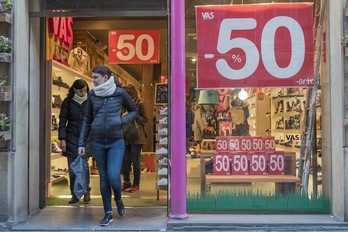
point(242, 95)
point(208, 97)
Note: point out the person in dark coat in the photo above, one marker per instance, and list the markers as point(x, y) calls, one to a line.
point(134, 146)
point(104, 120)
point(70, 121)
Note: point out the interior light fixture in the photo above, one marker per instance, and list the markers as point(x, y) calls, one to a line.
point(242, 95)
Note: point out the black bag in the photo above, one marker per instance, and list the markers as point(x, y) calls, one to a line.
point(78, 166)
point(133, 130)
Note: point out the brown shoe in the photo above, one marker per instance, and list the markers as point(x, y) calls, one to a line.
point(126, 186)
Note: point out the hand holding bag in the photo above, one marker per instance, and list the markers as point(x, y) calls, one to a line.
point(78, 166)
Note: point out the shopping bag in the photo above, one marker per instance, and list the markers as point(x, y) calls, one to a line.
point(78, 166)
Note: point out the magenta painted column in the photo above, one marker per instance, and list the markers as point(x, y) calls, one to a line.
point(177, 110)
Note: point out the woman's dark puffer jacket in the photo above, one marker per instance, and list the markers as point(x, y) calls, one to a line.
point(104, 118)
point(70, 121)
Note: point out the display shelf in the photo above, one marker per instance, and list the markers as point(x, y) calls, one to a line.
point(161, 158)
point(259, 105)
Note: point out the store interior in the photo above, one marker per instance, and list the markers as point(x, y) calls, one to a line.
point(276, 112)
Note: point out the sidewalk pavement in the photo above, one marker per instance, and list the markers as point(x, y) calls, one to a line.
point(155, 219)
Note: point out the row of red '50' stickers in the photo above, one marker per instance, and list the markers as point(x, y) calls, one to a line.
point(245, 143)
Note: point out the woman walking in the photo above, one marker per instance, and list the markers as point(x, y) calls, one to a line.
point(70, 120)
point(105, 121)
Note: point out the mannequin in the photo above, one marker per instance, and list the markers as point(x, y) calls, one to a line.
point(79, 59)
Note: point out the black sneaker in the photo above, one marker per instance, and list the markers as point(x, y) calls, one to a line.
point(73, 200)
point(106, 219)
point(120, 208)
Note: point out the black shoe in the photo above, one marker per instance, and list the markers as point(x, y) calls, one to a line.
point(120, 208)
point(106, 219)
point(73, 200)
point(87, 197)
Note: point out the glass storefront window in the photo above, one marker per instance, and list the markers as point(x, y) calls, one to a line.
point(245, 148)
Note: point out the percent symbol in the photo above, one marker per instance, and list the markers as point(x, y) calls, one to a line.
point(236, 58)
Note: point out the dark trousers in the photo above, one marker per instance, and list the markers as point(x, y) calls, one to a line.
point(132, 156)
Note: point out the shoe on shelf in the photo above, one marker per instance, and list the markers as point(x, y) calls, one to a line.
point(162, 181)
point(163, 161)
point(163, 140)
point(162, 171)
point(55, 148)
point(164, 111)
point(106, 219)
point(120, 208)
point(126, 186)
point(134, 188)
point(163, 120)
point(162, 151)
point(73, 200)
point(163, 131)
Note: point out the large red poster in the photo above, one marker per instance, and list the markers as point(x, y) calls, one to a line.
point(257, 45)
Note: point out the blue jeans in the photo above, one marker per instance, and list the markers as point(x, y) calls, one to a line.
point(108, 153)
point(132, 156)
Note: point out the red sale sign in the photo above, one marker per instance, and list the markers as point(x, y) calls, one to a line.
point(276, 163)
point(134, 47)
point(221, 163)
point(239, 163)
point(258, 163)
point(256, 45)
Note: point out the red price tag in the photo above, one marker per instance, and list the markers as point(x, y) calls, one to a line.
point(221, 144)
point(234, 143)
point(239, 163)
point(258, 163)
point(255, 45)
point(257, 143)
point(221, 163)
point(276, 163)
point(268, 143)
point(246, 143)
point(134, 47)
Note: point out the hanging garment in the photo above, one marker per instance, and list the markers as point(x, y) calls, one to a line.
point(79, 60)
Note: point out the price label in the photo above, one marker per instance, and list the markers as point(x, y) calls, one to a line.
point(221, 144)
point(256, 45)
point(246, 143)
point(276, 163)
point(258, 163)
point(234, 143)
point(239, 163)
point(134, 47)
point(268, 143)
point(221, 163)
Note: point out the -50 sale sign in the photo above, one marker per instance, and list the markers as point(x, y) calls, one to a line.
point(256, 45)
point(134, 47)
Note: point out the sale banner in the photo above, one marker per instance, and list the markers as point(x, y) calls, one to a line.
point(221, 163)
point(255, 45)
point(276, 163)
point(258, 163)
point(134, 47)
point(239, 163)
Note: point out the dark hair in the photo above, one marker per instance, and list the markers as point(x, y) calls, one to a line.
point(78, 84)
point(132, 91)
point(102, 70)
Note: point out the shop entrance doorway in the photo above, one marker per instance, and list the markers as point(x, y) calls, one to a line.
point(91, 35)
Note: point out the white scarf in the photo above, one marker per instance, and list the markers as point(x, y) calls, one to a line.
point(79, 99)
point(105, 89)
